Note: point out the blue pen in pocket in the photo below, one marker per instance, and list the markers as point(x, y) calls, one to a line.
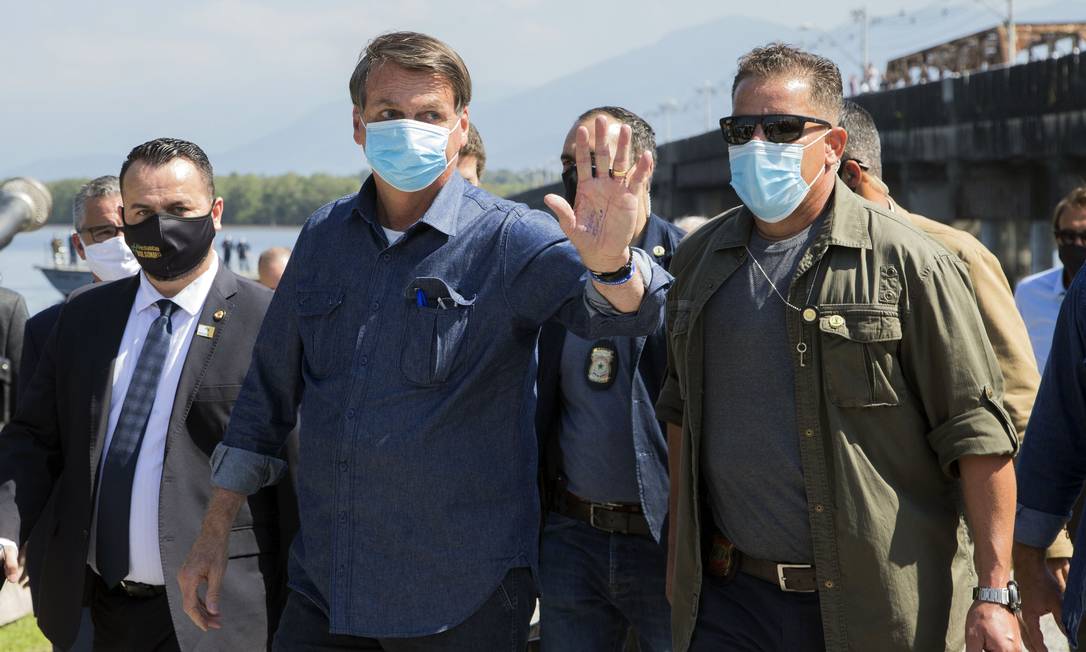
point(420, 298)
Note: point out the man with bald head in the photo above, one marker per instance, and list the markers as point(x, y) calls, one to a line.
point(604, 455)
point(272, 264)
point(832, 402)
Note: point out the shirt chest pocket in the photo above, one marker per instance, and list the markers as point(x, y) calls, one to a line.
point(436, 327)
point(678, 315)
point(318, 309)
point(860, 365)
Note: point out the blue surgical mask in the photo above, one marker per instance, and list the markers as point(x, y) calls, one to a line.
point(409, 155)
point(768, 177)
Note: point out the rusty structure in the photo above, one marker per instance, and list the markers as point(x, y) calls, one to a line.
point(981, 51)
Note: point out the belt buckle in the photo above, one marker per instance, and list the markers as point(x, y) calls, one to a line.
point(592, 516)
point(782, 582)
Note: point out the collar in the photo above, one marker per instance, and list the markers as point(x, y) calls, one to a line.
point(190, 299)
point(847, 223)
point(443, 214)
point(1057, 281)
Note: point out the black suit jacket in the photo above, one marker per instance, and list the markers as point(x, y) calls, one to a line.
point(56, 439)
point(12, 322)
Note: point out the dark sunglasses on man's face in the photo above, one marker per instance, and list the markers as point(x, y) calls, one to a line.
point(778, 127)
point(1070, 237)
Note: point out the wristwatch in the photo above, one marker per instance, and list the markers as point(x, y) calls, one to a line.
point(1008, 597)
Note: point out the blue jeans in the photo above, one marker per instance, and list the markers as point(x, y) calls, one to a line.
point(747, 614)
point(596, 585)
point(500, 624)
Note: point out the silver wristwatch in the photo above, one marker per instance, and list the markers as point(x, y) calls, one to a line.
point(1007, 597)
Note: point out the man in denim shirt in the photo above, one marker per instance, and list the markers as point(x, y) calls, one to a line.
point(404, 330)
point(1051, 474)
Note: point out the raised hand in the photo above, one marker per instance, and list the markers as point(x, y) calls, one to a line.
point(603, 219)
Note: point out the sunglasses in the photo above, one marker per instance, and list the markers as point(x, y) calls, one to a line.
point(1070, 237)
point(778, 127)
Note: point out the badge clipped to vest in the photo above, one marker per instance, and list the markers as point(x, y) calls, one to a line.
point(601, 367)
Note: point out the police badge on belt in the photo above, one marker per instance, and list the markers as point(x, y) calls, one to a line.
point(601, 367)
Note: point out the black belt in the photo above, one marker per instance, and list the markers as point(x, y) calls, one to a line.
point(131, 589)
point(614, 518)
point(725, 560)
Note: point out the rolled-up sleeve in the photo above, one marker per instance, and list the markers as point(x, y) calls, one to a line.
point(251, 454)
point(1052, 466)
point(952, 369)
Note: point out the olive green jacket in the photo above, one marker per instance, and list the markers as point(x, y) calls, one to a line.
point(898, 381)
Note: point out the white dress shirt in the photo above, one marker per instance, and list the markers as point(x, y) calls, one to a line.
point(1039, 297)
point(145, 563)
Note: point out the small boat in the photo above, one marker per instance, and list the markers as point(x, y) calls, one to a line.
point(66, 278)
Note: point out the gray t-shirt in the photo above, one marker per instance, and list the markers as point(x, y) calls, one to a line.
point(597, 438)
point(750, 446)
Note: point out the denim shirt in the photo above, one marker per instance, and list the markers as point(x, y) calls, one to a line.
point(1052, 463)
point(417, 463)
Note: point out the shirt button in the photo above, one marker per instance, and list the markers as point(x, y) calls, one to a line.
point(386, 257)
point(350, 413)
point(808, 433)
point(376, 306)
point(343, 517)
point(820, 508)
point(828, 584)
point(343, 466)
point(364, 361)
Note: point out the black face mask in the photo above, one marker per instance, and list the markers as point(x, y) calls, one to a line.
point(167, 246)
point(1072, 257)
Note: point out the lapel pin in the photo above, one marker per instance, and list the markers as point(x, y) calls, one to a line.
point(219, 314)
point(203, 330)
point(658, 251)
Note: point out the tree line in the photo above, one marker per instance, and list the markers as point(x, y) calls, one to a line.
point(286, 199)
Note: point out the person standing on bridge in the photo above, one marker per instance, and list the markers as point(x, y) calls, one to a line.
point(604, 455)
point(831, 387)
point(413, 368)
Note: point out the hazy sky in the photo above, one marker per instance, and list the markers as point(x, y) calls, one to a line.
point(82, 78)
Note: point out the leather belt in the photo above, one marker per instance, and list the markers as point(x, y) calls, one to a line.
point(137, 590)
point(792, 578)
point(614, 518)
point(725, 560)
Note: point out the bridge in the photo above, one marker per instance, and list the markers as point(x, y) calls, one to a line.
point(991, 152)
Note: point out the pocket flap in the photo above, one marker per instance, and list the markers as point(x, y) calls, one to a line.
point(318, 301)
point(218, 393)
point(436, 293)
point(861, 326)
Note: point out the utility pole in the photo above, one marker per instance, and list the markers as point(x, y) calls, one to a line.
point(1012, 34)
point(861, 17)
point(708, 90)
point(667, 108)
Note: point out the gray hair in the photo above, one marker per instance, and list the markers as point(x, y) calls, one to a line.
point(100, 187)
point(864, 145)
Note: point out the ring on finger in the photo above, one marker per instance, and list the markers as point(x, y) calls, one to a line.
point(619, 174)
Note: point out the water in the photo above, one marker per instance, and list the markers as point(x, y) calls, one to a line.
point(17, 260)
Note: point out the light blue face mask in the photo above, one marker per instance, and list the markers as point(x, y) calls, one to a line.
point(409, 155)
point(768, 177)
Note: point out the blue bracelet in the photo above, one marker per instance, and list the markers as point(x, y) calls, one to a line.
point(617, 277)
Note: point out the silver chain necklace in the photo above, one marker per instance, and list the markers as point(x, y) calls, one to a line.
point(809, 313)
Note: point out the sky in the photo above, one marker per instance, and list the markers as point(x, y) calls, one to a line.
point(81, 78)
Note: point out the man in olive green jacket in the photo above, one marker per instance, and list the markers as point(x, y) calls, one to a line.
point(886, 405)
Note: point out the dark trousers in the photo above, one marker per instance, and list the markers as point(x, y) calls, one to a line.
point(751, 615)
point(500, 624)
point(597, 585)
point(125, 624)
